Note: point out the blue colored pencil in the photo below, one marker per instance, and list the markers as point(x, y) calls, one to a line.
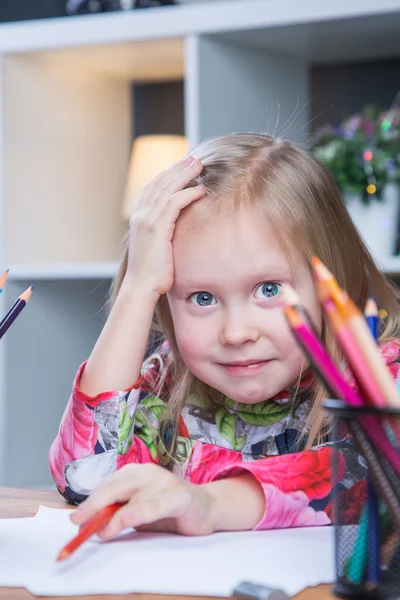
point(374, 533)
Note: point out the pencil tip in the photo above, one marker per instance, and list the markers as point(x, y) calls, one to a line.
point(32, 286)
point(63, 554)
point(289, 295)
point(321, 270)
point(371, 309)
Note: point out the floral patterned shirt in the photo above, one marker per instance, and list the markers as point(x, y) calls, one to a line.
point(100, 434)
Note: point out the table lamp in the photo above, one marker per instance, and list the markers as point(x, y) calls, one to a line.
point(151, 154)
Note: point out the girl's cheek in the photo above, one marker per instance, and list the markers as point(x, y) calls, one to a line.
point(194, 340)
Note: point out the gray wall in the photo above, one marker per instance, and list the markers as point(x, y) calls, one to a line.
point(158, 108)
point(339, 90)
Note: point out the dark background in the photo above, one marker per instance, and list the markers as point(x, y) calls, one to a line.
point(17, 10)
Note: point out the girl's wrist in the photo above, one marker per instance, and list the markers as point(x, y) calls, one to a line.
point(132, 289)
point(236, 503)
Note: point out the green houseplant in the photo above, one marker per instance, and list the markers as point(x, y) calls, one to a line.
point(363, 155)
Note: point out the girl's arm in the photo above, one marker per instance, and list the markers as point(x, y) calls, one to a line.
point(296, 490)
point(118, 354)
point(97, 426)
point(117, 357)
point(100, 434)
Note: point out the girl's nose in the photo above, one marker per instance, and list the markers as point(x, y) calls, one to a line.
point(237, 328)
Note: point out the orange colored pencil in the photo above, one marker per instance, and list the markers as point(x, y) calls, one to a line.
point(367, 384)
point(329, 288)
point(93, 526)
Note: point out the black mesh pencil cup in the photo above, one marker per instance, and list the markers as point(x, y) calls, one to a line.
point(366, 501)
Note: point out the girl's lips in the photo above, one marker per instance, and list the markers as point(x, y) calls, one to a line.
point(243, 368)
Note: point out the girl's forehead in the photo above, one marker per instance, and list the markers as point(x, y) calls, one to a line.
point(209, 214)
point(238, 240)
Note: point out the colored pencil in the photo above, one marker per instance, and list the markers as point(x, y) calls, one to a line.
point(15, 310)
point(93, 526)
point(377, 473)
point(328, 287)
point(314, 348)
point(356, 568)
point(328, 372)
point(367, 547)
point(373, 541)
point(3, 280)
point(371, 314)
point(367, 385)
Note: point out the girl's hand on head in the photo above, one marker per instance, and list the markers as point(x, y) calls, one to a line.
point(152, 225)
point(156, 500)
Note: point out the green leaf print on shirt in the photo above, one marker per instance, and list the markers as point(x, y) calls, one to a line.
point(144, 431)
point(124, 426)
point(156, 405)
point(262, 413)
point(226, 425)
point(147, 427)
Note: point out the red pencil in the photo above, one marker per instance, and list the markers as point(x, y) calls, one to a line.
point(93, 526)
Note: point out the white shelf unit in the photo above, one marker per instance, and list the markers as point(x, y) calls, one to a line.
point(65, 132)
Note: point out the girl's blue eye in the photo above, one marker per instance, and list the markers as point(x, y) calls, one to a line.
point(202, 299)
point(267, 290)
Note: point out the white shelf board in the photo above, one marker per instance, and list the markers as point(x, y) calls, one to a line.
point(59, 271)
point(365, 19)
point(108, 270)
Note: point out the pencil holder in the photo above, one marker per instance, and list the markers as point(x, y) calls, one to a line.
point(365, 506)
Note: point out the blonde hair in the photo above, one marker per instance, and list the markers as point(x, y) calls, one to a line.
point(300, 199)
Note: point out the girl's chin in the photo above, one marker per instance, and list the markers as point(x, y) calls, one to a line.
point(249, 397)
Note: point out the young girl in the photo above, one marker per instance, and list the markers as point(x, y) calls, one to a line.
point(222, 428)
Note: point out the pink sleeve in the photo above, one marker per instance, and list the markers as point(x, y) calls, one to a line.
point(291, 484)
point(78, 434)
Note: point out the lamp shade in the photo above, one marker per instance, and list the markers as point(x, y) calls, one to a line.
point(151, 154)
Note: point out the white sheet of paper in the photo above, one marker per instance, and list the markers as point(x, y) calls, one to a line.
point(291, 559)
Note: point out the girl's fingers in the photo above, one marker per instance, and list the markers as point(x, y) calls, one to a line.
point(139, 511)
point(161, 181)
point(178, 202)
point(171, 171)
point(182, 179)
point(119, 487)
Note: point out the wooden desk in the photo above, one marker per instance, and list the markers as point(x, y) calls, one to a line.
point(24, 503)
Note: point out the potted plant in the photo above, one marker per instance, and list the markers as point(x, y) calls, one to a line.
point(363, 155)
